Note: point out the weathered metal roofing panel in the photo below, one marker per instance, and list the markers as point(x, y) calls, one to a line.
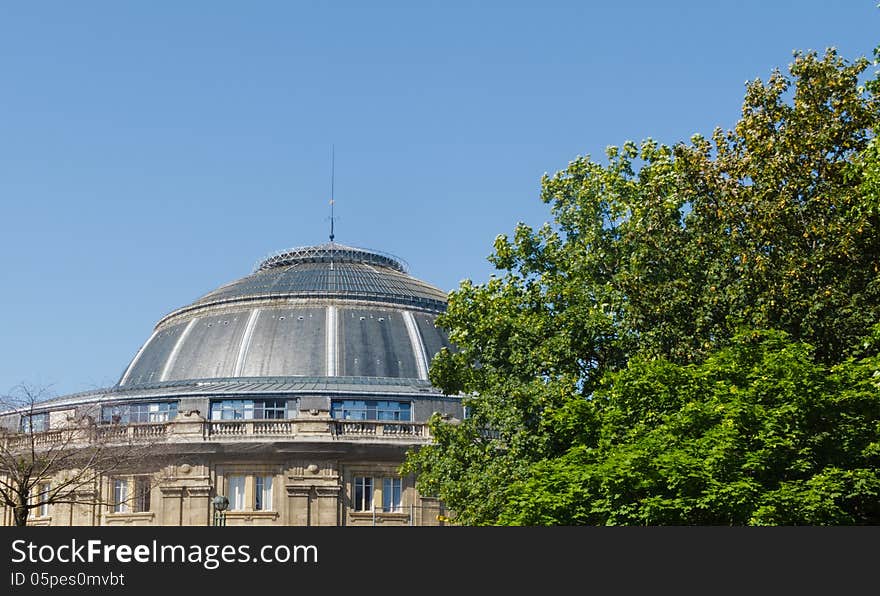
point(433, 337)
point(153, 356)
point(287, 341)
point(375, 343)
point(356, 280)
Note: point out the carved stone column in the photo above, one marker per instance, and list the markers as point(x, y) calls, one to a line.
point(327, 505)
point(432, 512)
point(197, 510)
point(171, 513)
point(298, 505)
point(81, 513)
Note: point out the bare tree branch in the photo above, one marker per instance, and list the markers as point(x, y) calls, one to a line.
point(72, 458)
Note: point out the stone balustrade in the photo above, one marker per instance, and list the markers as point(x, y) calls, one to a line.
point(196, 428)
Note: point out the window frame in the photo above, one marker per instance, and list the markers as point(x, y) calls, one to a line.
point(26, 422)
point(249, 490)
point(362, 493)
point(236, 492)
point(250, 409)
point(382, 410)
point(43, 490)
point(392, 486)
point(263, 486)
point(143, 487)
point(140, 412)
point(121, 489)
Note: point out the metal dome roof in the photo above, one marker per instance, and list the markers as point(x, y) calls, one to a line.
point(331, 252)
point(323, 311)
point(327, 271)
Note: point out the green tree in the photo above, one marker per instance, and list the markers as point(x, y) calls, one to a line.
point(758, 433)
point(663, 254)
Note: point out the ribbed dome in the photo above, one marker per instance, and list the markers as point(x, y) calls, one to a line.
point(328, 271)
point(331, 252)
point(322, 311)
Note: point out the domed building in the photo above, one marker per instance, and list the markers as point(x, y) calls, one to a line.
point(294, 392)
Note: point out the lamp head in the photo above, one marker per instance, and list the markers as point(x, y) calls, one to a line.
point(221, 503)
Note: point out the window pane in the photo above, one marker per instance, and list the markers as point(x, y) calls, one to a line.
point(274, 409)
point(142, 494)
point(363, 493)
point(139, 412)
point(405, 411)
point(391, 494)
point(263, 493)
point(267, 493)
point(120, 495)
point(35, 423)
point(236, 493)
point(162, 412)
point(236, 409)
point(352, 409)
point(41, 422)
point(43, 496)
point(111, 415)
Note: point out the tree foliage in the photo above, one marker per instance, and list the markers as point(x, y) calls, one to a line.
point(585, 362)
point(758, 433)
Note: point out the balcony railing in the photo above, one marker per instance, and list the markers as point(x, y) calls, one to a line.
point(305, 429)
point(368, 428)
point(147, 431)
point(39, 440)
point(346, 429)
point(257, 428)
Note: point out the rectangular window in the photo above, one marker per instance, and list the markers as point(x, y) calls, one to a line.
point(139, 412)
point(363, 493)
point(391, 495)
point(235, 492)
point(142, 494)
point(393, 410)
point(246, 409)
point(263, 493)
point(43, 496)
point(270, 409)
point(35, 423)
point(120, 495)
point(232, 409)
point(154, 412)
point(359, 409)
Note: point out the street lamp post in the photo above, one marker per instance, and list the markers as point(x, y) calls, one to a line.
point(221, 503)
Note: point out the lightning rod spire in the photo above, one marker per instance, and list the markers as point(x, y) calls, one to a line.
point(332, 235)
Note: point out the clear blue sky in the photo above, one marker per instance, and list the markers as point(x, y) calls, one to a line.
point(152, 151)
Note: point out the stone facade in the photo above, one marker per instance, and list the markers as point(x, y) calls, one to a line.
point(314, 463)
